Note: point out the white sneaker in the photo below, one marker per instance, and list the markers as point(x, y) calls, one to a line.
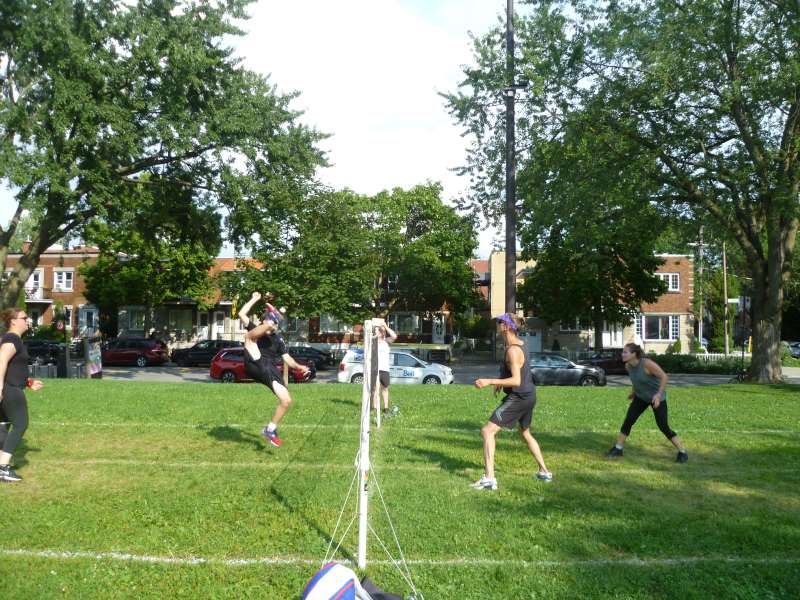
point(544, 476)
point(485, 483)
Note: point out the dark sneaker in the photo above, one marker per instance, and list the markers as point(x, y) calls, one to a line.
point(682, 457)
point(272, 437)
point(8, 474)
point(614, 452)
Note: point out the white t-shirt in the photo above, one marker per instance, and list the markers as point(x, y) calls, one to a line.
point(383, 355)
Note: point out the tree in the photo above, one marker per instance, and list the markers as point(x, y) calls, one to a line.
point(343, 249)
point(163, 251)
point(588, 222)
point(105, 104)
point(708, 90)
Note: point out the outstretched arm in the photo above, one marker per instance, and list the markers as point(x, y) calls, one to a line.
point(391, 336)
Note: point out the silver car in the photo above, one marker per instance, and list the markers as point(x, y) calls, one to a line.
point(403, 368)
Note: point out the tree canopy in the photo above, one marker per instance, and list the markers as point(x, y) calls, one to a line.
point(105, 104)
point(708, 94)
point(353, 256)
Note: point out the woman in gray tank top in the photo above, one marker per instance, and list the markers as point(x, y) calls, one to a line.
point(649, 389)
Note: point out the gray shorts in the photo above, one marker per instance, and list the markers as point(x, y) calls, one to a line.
point(514, 409)
point(383, 377)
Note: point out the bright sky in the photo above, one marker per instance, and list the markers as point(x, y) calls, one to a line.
point(369, 73)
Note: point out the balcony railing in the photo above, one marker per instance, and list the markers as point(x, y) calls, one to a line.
point(34, 293)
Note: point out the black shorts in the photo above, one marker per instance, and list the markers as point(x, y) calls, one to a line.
point(383, 377)
point(514, 409)
point(259, 370)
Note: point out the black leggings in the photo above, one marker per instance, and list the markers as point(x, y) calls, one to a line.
point(15, 408)
point(635, 410)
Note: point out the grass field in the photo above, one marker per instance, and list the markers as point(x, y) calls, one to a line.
point(136, 490)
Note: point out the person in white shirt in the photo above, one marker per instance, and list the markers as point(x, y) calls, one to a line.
point(385, 337)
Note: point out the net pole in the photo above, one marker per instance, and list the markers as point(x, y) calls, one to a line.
point(363, 460)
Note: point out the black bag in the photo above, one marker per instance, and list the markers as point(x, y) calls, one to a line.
point(375, 593)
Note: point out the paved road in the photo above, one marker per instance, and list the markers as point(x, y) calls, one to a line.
point(462, 373)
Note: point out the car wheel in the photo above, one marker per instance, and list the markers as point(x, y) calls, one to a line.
point(357, 378)
point(228, 377)
point(588, 381)
point(141, 361)
point(431, 380)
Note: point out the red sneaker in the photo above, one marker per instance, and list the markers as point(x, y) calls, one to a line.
point(272, 437)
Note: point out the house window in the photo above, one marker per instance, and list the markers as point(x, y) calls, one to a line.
point(673, 281)
point(391, 283)
point(63, 280)
point(330, 324)
point(574, 327)
point(67, 316)
point(136, 319)
point(404, 322)
point(661, 327)
point(291, 325)
point(180, 320)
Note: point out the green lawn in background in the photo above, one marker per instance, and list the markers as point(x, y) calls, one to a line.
point(116, 470)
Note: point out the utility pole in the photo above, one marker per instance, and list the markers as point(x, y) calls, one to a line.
point(725, 295)
point(700, 245)
point(511, 192)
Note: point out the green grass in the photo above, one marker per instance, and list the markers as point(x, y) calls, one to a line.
point(180, 471)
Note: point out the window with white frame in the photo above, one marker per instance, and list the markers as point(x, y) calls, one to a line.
point(291, 325)
point(62, 279)
point(136, 319)
point(573, 326)
point(330, 324)
point(659, 327)
point(673, 281)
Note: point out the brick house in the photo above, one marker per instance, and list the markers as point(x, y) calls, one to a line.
point(56, 280)
point(656, 327)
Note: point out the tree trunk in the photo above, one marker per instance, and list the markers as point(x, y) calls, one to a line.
point(767, 303)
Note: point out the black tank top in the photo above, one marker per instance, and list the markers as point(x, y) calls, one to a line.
point(525, 388)
point(17, 370)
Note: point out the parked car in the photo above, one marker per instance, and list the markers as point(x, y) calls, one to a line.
point(42, 352)
point(554, 369)
point(608, 359)
point(320, 358)
point(404, 367)
point(793, 347)
point(202, 352)
point(132, 351)
point(228, 367)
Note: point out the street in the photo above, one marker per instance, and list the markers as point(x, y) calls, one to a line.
point(465, 373)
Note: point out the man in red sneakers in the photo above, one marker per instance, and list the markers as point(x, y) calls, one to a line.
point(263, 345)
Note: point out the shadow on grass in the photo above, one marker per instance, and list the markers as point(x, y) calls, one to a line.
point(446, 462)
point(223, 433)
point(20, 457)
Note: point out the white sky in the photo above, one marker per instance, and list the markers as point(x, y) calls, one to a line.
point(369, 73)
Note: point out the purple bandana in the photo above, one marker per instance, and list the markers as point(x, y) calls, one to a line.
point(506, 318)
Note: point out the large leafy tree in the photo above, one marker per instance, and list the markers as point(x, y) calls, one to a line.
point(104, 103)
point(708, 90)
point(163, 251)
point(354, 256)
point(588, 222)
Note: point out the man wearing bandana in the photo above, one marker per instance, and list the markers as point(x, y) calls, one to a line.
point(517, 405)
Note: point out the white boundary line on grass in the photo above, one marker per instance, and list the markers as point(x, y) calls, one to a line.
point(421, 467)
point(203, 426)
point(447, 562)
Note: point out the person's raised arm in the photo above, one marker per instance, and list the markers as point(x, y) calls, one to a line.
point(245, 310)
point(391, 336)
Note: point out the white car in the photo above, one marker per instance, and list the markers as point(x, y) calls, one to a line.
point(403, 368)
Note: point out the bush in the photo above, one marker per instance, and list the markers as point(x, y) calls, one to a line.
point(688, 363)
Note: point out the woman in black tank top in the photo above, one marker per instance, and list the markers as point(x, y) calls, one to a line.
point(517, 406)
point(14, 378)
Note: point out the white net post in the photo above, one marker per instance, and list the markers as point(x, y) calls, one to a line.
point(367, 395)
